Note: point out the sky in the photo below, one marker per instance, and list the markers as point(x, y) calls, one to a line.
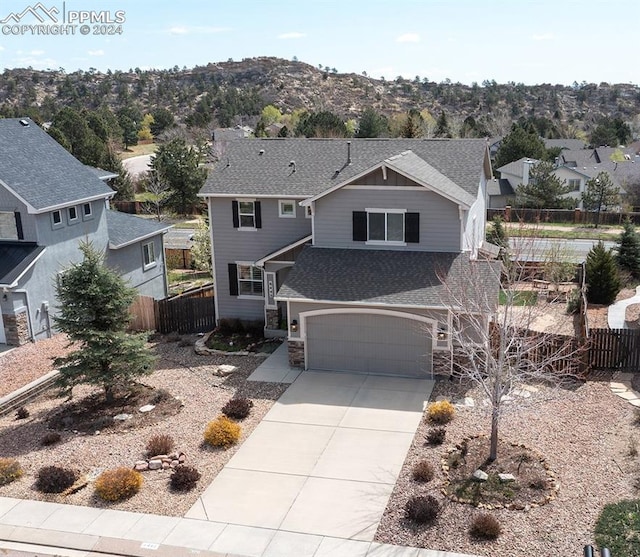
point(524, 41)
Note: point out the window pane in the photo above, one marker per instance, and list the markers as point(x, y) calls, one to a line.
point(57, 218)
point(256, 273)
point(87, 209)
point(257, 287)
point(244, 272)
point(395, 227)
point(376, 226)
point(246, 221)
point(246, 207)
point(245, 288)
point(72, 213)
point(287, 209)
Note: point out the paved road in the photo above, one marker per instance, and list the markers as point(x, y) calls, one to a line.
point(536, 249)
point(137, 165)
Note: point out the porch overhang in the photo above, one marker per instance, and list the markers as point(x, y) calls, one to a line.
point(273, 255)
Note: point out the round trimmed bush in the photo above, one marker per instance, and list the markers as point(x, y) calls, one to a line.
point(422, 509)
point(55, 479)
point(423, 471)
point(118, 484)
point(184, 478)
point(222, 432)
point(237, 408)
point(10, 470)
point(440, 412)
point(160, 444)
point(485, 527)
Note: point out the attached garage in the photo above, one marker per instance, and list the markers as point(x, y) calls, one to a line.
point(369, 343)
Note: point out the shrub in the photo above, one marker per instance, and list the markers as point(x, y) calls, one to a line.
point(10, 470)
point(222, 432)
point(485, 527)
point(436, 436)
point(55, 479)
point(423, 471)
point(440, 412)
point(184, 478)
point(50, 438)
point(237, 408)
point(22, 413)
point(118, 484)
point(617, 528)
point(422, 509)
point(160, 444)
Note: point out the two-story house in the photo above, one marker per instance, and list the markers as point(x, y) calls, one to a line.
point(350, 248)
point(49, 203)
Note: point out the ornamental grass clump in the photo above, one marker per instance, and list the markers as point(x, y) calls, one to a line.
point(118, 484)
point(222, 432)
point(440, 412)
point(10, 470)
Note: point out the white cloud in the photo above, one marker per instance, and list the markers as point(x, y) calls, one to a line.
point(98, 52)
point(1, 48)
point(408, 38)
point(37, 63)
point(543, 37)
point(36, 52)
point(292, 35)
point(203, 30)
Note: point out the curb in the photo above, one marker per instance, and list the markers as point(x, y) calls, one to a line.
point(24, 394)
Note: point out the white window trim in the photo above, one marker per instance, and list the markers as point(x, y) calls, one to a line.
point(386, 242)
point(75, 219)
point(89, 215)
point(249, 296)
point(253, 215)
point(308, 212)
point(284, 215)
point(154, 260)
point(55, 224)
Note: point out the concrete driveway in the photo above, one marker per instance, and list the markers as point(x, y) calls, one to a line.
point(324, 460)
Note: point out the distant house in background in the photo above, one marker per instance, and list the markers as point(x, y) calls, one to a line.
point(231, 134)
point(49, 203)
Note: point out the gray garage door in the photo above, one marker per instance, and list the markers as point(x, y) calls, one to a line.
point(368, 343)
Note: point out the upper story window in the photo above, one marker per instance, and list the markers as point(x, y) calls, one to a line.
point(148, 255)
point(246, 214)
point(574, 184)
point(386, 226)
point(56, 218)
point(287, 209)
point(87, 211)
point(72, 215)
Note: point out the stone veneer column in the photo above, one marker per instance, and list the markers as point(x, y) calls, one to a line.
point(16, 328)
point(272, 319)
point(296, 353)
point(441, 362)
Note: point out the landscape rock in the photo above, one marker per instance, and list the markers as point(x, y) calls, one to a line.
point(166, 465)
point(155, 464)
point(141, 466)
point(146, 408)
point(175, 463)
point(182, 458)
point(122, 417)
point(480, 476)
point(504, 478)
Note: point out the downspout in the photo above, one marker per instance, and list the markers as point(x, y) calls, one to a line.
point(26, 296)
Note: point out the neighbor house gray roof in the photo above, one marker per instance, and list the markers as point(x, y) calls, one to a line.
point(125, 229)
point(403, 278)
point(101, 173)
point(517, 167)
point(499, 186)
point(570, 144)
point(254, 167)
point(40, 171)
point(15, 259)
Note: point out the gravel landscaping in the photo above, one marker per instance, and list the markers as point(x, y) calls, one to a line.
point(587, 435)
point(185, 375)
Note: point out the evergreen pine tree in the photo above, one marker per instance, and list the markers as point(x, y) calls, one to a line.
point(603, 282)
point(628, 249)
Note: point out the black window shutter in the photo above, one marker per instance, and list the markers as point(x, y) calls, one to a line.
point(236, 217)
point(233, 279)
point(19, 226)
point(359, 226)
point(412, 228)
point(258, 212)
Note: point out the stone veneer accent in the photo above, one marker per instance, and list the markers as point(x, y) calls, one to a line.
point(272, 319)
point(296, 353)
point(16, 328)
point(441, 362)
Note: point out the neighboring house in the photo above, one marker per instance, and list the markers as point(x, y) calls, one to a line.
point(342, 246)
point(222, 135)
point(575, 167)
point(49, 203)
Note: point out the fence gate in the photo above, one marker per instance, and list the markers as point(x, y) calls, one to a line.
point(614, 350)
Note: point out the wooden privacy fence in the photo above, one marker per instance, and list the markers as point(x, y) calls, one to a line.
point(575, 216)
point(190, 312)
point(614, 350)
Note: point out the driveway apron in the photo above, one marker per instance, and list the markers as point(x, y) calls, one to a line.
point(325, 458)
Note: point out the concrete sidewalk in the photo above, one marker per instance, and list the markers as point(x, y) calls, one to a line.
point(616, 317)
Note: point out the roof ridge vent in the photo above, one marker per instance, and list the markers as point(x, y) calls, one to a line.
point(24, 122)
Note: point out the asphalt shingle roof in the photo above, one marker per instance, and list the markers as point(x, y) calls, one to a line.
point(15, 258)
point(409, 278)
point(262, 166)
point(125, 229)
point(40, 170)
point(499, 186)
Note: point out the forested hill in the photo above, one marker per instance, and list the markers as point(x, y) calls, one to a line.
point(229, 93)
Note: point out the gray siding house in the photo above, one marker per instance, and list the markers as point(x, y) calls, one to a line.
point(344, 247)
point(49, 203)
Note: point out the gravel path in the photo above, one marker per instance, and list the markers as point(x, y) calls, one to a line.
point(185, 375)
point(584, 433)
